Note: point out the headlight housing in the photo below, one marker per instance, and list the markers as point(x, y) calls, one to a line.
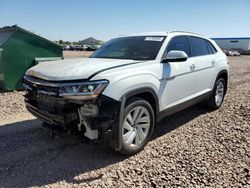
point(82, 90)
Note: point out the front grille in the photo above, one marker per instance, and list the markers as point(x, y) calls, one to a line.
point(39, 88)
point(43, 94)
point(43, 101)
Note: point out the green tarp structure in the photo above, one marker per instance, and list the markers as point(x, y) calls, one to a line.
point(20, 50)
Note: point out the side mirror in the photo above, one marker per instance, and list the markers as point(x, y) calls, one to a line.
point(175, 56)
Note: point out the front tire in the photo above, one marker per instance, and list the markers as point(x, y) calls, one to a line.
point(137, 126)
point(218, 95)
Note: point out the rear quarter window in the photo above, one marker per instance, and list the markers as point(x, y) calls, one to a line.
point(211, 48)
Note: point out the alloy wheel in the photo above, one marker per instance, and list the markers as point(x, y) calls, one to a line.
point(136, 126)
point(219, 93)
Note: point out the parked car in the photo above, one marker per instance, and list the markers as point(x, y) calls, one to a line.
point(226, 52)
point(91, 48)
point(231, 52)
point(66, 47)
point(127, 86)
point(76, 48)
point(235, 53)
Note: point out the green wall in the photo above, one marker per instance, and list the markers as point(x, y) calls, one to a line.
point(1, 71)
point(18, 55)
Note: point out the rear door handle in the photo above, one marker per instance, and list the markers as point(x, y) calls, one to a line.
point(192, 67)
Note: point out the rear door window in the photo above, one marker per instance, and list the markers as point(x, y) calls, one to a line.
point(199, 46)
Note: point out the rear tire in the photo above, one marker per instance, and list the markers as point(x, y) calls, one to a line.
point(137, 126)
point(217, 98)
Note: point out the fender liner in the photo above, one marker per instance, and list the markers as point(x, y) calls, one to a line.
point(135, 92)
point(222, 72)
point(219, 75)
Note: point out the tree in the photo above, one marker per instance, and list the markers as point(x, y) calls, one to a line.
point(67, 43)
point(61, 42)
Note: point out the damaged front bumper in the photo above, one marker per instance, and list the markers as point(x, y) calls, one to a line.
point(95, 118)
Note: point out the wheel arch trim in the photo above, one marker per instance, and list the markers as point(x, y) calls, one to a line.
point(219, 75)
point(116, 129)
point(141, 91)
point(222, 72)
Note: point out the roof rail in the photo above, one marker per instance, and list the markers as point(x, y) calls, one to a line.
point(183, 32)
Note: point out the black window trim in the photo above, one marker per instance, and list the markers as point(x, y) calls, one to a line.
point(212, 46)
point(210, 50)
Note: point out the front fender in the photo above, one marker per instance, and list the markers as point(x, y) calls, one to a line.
point(117, 89)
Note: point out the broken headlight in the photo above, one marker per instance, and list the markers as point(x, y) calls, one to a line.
point(83, 90)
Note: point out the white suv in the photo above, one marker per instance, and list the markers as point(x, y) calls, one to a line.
point(127, 86)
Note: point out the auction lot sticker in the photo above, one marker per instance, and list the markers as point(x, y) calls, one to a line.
point(159, 39)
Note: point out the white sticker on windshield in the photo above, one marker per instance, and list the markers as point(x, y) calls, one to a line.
point(159, 39)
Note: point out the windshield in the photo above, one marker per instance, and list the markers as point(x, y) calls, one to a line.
point(136, 48)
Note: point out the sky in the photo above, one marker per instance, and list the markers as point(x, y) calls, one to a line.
point(75, 20)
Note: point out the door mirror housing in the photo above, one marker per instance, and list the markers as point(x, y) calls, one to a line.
point(175, 56)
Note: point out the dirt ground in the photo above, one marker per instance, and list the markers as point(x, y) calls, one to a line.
point(76, 54)
point(193, 148)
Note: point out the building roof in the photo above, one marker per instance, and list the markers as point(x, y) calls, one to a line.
point(232, 38)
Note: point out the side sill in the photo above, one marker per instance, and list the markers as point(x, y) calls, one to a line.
point(183, 105)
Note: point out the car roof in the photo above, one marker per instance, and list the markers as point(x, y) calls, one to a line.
point(164, 34)
point(161, 33)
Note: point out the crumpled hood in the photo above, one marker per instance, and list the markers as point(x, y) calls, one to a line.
point(73, 69)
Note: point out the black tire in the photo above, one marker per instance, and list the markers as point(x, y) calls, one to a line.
point(130, 105)
point(211, 102)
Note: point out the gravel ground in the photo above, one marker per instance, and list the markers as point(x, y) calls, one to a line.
point(11, 103)
point(193, 148)
point(74, 54)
